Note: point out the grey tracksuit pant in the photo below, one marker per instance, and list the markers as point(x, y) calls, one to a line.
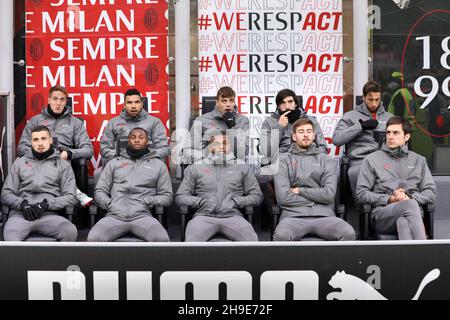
point(353, 172)
point(404, 217)
point(203, 228)
point(17, 228)
point(328, 228)
point(109, 229)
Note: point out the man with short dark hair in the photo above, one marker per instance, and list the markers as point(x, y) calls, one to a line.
point(218, 187)
point(39, 184)
point(361, 129)
point(223, 117)
point(305, 188)
point(395, 181)
point(288, 111)
point(133, 115)
point(129, 187)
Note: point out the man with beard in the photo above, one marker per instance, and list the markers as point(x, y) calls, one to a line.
point(281, 123)
point(276, 138)
point(129, 187)
point(305, 188)
point(218, 187)
point(133, 115)
point(361, 129)
point(39, 184)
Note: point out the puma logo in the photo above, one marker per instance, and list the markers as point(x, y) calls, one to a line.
point(353, 288)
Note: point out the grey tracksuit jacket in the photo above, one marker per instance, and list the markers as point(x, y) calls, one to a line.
point(212, 123)
point(123, 124)
point(359, 142)
point(224, 187)
point(315, 174)
point(271, 124)
point(129, 188)
point(35, 180)
point(387, 169)
point(69, 130)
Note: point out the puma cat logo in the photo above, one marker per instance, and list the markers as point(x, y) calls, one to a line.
point(353, 288)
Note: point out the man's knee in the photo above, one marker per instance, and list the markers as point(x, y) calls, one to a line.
point(14, 235)
point(250, 235)
point(193, 237)
point(160, 235)
point(68, 232)
point(281, 234)
point(13, 232)
point(410, 207)
point(346, 233)
point(96, 235)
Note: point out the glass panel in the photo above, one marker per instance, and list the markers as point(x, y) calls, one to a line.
point(411, 50)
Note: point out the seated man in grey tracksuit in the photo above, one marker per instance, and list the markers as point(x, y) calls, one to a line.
point(305, 188)
point(360, 129)
point(218, 187)
point(69, 131)
point(223, 117)
point(281, 121)
point(129, 187)
point(395, 181)
point(73, 140)
point(39, 185)
point(276, 138)
point(133, 115)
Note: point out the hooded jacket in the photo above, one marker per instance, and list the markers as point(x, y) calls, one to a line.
point(123, 124)
point(217, 188)
point(386, 170)
point(35, 180)
point(128, 189)
point(359, 142)
point(271, 124)
point(315, 174)
point(69, 131)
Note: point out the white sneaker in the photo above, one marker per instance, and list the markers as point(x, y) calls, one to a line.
point(83, 198)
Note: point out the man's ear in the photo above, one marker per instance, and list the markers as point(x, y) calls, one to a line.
point(407, 136)
point(294, 137)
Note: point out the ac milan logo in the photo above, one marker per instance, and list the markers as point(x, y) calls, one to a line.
point(150, 19)
point(36, 49)
point(151, 74)
point(37, 101)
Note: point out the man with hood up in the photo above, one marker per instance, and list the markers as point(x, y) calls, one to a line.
point(305, 188)
point(39, 185)
point(129, 187)
point(217, 187)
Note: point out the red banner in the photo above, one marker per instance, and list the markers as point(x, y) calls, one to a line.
point(97, 49)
